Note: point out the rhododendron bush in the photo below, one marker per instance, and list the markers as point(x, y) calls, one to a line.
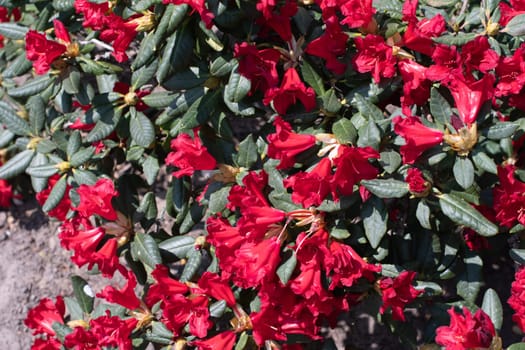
point(253, 170)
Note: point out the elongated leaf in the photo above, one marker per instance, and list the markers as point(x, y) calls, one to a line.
point(142, 130)
point(286, 269)
point(104, 127)
point(17, 164)
point(470, 281)
point(220, 67)
point(146, 250)
point(159, 99)
point(492, 307)
point(367, 108)
point(56, 194)
point(517, 346)
point(344, 131)
point(390, 7)
point(74, 143)
point(516, 26)
point(484, 162)
point(218, 308)
point(63, 5)
point(247, 155)
point(192, 265)
point(83, 293)
point(312, 78)
point(375, 219)
point(439, 107)
point(13, 122)
point(159, 333)
point(151, 169)
point(13, 31)
point(501, 130)
point(82, 156)
point(388, 188)
point(143, 75)
point(178, 246)
point(238, 86)
point(463, 172)
point(369, 135)
point(37, 113)
point(518, 255)
point(146, 51)
point(45, 171)
point(457, 40)
point(423, 214)
point(32, 87)
point(17, 67)
point(463, 213)
point(38, 183)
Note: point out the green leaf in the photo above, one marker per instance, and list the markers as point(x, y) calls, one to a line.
point(84, 177)
point(366, 108)
point(150, 167)
point(238, 86)
point(369, 135)
point(331, 102)
point(146, 51)
point(516, 26)
point(183, 48)
point(463, 172)
point(287, 268)
point(311, 77)
point(147, 207)
point(463, 213)
point(192, 265)
point(82, 156)
point(159, 334)
point(13, 31)
point(470, 281)
point(31, 87)
point(45, 170)
point(518, 255)
point(220, 67)
point(56, 194)
point(492, 307)
point(6, 137)
point(218, 308)
point(142, 129)
point(344, 131)
point(484, 162)
point(211, 38)
point(375, 219)
point(164, 65)
point(12, 121)
point(17, 164)
point(423, 214)
point(247, 155)
point(457, 40)
point(73, 308)
point(218, 200)
point(390, 7)
point(38, 183)
point(146, 250)
point(387, 188)
point(517, 346)
point(143, 75)
point(104, 126)
point(83, 293)
point(500, 131)
point(439, 107)
point(37, 114)
point(178, 246)
point(160, 99)
point(390, 161)
point(71, 83)
point(63, 5)
point(17, 67)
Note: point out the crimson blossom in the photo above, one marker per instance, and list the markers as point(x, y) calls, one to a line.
point(397, 293)
point(418, 137)
point(466, 331)
point(189, 154)
point(509, 201)
point(96, 199)
point(517, 298)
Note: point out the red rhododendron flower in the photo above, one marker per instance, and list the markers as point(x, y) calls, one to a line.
point(357, 13)
point(286, 144)
point(189, 155)
point(77, 234)
point(292, 89)
point(223, 341)
point(474, 241)
point(416, 182)
point(446, 67)
point(517, 298)
point(477, 55)
point(125, 296)
point(509, 201)
point(96, 199)
point(5, 16)
point(260, 66)
point(511, 73)
point(213, 286)
point(470, 96)
point(397, 293)
point(416, 86)
point(509, 12)
point(95, 14)
point(6, 194)
point(164, 287)
point(353, 165)
point(466, 331)
point(113, 331)
point(178, 310)
point(419, 33)
point(197, 5)
point(311, 188)
point(81, 339)
point(46, 344)
point(330, 46)
point(60, 211)
point(120, 33)
point(105, 258)
point(41, 51)
point(41, 318)
point(277, 17)
point(375, 56)
point(418, 137)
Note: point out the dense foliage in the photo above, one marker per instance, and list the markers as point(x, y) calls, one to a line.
point(255, 169)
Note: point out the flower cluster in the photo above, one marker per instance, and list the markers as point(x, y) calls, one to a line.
point(255, 169)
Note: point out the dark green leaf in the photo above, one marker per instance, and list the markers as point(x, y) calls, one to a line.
point(369, 135)
point(17, 164)
point(82, 156)
point(45, 171)
point(13, 31)
point(146, 250)
point(146, 51)
point(390, 7)
point(17, 67)
point(71, 83)
point(220, 67)
point(311, 77)
point(439, 107)
point(83, 293)
point(375, 219)
point(287, 268)
point(178, 246)
point(484, 162)
point(143, 75)
point(501, 130)
point(463, 213)
point(37, 114)
point(423, 214)
point(84, 177)
point(344, 131)
point(516, 26)
point(150, 168)
point(218, 200)
point(63, 5)
point(218, 308)
point(366, 108)
point(457, 40)
point(470, 281)
point(192, 265)
point(38, 183)
point(247, 155)
point(331, 102)
point(6, 137)
point(148, 207)
point(387, 188)
point(211, 38)
point(160, 99)
point(56, 194)
point(238, 86)
point(518, 255)
point(463, 172)
point(74, 143)
point(390, 161)
point(31, 87)
point(105, 126)
point(492, 307)
point(12, 121)
point(159, 334)
point(142, 129)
